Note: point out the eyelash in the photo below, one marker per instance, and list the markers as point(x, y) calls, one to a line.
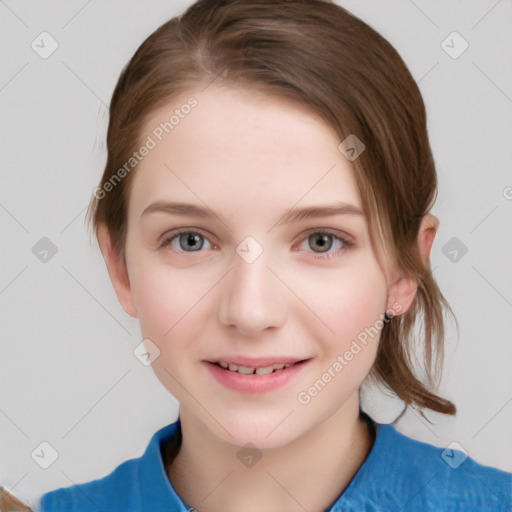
point(347, 244)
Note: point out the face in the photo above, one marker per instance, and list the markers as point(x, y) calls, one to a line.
point(241, 276)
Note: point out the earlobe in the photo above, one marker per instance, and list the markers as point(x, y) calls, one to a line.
point(403, 289)
point(117, 271)
point(401, 292)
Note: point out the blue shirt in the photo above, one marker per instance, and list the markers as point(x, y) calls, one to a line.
point(399, 474)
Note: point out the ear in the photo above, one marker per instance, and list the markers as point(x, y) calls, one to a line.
point(403, 289)
point(117, 271)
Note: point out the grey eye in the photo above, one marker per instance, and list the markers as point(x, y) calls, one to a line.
point(322, 241)
point(192, 241)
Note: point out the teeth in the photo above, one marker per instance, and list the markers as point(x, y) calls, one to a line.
point(264, 371)
point(246, 370)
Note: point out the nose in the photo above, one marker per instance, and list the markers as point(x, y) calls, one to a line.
point(252, 299)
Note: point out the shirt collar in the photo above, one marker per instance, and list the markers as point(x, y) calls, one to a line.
point(157, 493)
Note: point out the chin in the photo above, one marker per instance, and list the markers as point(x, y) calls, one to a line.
point(265, 433)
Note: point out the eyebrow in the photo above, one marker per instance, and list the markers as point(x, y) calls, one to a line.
point(292, 215)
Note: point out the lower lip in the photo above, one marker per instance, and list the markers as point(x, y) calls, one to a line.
point(255, 383)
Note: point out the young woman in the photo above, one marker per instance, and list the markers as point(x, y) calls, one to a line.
point(265, 214)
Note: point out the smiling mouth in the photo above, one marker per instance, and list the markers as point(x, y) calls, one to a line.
point(266, 370)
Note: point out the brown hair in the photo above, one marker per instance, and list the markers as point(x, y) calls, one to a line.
point(316, 53)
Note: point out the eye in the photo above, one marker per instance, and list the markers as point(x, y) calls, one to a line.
point(323, 241)
point(184, 241)
point(187, 240)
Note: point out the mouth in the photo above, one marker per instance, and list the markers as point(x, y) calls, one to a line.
point(256, 370)
point(256, 376)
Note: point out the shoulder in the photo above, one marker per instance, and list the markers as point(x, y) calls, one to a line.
point(422, 477)
point(453, 475)
point(119, 488)
point(126, 488)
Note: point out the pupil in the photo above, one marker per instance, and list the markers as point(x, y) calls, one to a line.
point(324, 241)
point(191, 241)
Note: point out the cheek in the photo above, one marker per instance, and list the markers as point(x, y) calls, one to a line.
point(353, 310)
point(345, 302)
point(166, 299)
point(171, 305)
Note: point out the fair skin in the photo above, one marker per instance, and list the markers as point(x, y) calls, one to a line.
point(250, 159)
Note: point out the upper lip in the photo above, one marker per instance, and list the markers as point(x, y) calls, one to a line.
point(257, 362)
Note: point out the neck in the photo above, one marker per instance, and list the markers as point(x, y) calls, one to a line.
point(309, 473)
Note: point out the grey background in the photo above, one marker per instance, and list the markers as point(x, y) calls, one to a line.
point(68, 373)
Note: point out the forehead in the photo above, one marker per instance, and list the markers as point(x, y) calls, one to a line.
point(243, 147)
